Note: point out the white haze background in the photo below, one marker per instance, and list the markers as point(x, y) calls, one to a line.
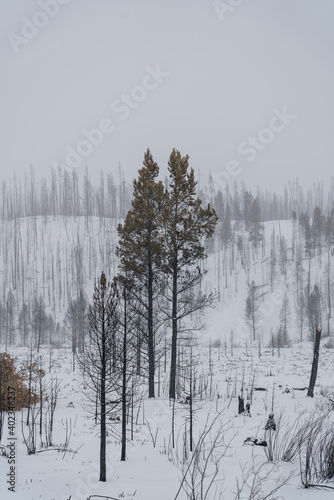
point(226, 75)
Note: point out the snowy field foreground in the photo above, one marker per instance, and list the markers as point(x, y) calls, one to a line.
point(153, 470)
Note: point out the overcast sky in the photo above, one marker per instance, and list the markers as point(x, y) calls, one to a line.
point(245, 88)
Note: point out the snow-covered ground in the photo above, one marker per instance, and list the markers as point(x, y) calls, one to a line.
point(155, 472)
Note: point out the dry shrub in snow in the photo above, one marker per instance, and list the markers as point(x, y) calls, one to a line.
point(290, 441)
point(317, 457)
point(17, 382)
point(201, 472)
point(260, 481)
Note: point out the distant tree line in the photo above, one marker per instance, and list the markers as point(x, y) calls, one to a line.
point(67, 193)
point(64, 194)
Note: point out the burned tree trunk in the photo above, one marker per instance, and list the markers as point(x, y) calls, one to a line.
point(241, 405)
point(315, 363)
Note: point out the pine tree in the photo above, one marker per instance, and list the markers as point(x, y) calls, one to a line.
point(140, 249)
point(127, 355)
point(254, 224)
point(98, 359)
point(186, 223)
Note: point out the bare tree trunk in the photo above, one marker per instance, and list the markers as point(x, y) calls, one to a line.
point(124, 380)
point(103, 411)
point(29, 386)
point(191, 412)
point(172, 382)
point(151, 360)
point(329, 314)
point(314, 370)
point(40, 398)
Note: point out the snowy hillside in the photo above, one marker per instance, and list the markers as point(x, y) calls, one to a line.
point(56, 256)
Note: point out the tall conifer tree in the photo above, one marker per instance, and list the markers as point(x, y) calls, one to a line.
point(140, 249)
point(97, 362)
point(186, 223)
